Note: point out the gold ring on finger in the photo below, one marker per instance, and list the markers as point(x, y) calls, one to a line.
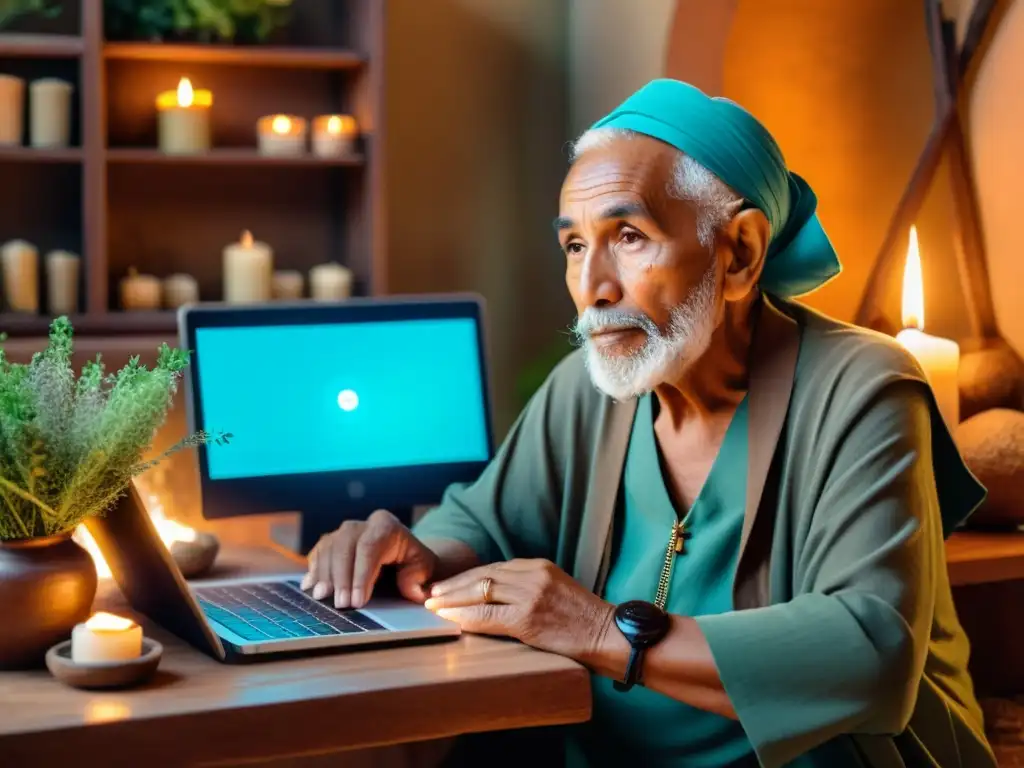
point(486, 585)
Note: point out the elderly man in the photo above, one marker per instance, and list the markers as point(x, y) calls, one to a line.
point(728, 507)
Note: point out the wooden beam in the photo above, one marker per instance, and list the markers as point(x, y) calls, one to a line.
point(909, 204)
point(977, 26)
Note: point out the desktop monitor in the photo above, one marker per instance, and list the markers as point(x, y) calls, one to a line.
point(337, 409)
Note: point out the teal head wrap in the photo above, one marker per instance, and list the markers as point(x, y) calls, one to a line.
point(733, 145)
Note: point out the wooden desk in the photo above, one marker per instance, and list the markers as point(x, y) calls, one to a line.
point(198, 711)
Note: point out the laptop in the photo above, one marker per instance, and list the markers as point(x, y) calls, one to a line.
point(245, 618)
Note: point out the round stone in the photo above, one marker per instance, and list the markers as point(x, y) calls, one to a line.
point(992, 444)
point(992, 377)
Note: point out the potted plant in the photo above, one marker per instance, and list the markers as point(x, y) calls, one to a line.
point(198, 21)
point(12, 10)
point(69, 449)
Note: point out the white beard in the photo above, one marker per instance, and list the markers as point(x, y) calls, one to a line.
point(665, 356)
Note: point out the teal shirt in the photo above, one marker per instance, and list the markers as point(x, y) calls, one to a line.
point(643, 727)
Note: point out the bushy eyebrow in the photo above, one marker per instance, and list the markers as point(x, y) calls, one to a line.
point(617, 211)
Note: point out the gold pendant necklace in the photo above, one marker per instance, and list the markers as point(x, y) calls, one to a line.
point(676, 546)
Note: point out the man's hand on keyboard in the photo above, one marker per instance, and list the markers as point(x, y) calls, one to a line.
point(348, 561)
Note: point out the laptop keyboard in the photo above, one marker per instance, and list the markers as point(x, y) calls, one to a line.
point(278, 610)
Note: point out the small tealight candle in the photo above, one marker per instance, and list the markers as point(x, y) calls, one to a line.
point(180, 290)
point(330, 282)
point(281, 135)
point(140, 292)
point(287, 285)
point(184, 125)
point(106, 638)
point(334, 135)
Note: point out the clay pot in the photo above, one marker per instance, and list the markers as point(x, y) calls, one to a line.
point(992, 444)
point(47, 586)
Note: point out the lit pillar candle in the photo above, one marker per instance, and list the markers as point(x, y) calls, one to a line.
point(334, 135)
point(140, 293)
point(940, 358)
point(21, 276)
point(248, 271)
point(287, 285)
point(281, 135)
point(184, 119)
point(49, 113)
point(180, 290)
point(330, 282)
point(106, 638)
point(12, 104)
point(62, 270)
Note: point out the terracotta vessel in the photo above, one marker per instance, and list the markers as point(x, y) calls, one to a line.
point(47, 585)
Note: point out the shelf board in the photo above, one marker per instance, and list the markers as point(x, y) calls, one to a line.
point(41, 46)
point(20, 325)
point(31, 155)
point(983, 557)
point(250, 56)
point(241, 157)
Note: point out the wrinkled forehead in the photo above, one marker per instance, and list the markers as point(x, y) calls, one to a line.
point(638, 166)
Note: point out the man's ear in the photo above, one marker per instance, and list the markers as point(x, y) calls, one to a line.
point(745, 236)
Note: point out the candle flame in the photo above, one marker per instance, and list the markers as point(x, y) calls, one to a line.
point(108, 622)
point(246, 239)
point(186, 96)
point(281, 125)
point(334, 125)
point(913, 286)
point(169, 531)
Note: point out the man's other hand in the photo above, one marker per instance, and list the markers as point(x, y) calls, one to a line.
point(348, 561)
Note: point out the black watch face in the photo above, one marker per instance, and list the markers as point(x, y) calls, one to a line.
point(641, 622)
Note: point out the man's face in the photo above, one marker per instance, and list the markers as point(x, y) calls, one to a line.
point(645, 288)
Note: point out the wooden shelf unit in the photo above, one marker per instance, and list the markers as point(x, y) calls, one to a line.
point(241, 55)
point(30, 46)
point(241, 157)
point(114, 198)
point(31, 155)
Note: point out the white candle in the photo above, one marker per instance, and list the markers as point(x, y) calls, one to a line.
point(248, 271)
point(180, 290)
point(106, 638)
point(184, 119)
point(140, 293)
point(334, 135)
point(62, 269)
point(287, 284)
point(938, 357)
point(49, 113)
point(12, 107)
point(281, 135)
point(21, 276)
point(330, 282)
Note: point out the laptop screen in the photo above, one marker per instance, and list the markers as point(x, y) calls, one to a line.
point(348, 396)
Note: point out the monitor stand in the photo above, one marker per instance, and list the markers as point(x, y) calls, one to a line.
point(301, 536)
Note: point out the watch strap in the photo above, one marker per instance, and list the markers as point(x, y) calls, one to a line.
point(634, 667)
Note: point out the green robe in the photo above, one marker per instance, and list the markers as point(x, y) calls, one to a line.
point(845, 629)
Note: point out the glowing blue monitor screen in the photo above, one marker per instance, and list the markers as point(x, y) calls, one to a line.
point(348, 396)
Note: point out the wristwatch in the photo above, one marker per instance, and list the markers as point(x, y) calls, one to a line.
point(644, 625)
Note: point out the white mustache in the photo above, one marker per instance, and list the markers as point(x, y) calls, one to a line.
point(595, 320)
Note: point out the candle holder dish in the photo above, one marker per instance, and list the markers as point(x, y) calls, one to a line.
point(106, 674)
